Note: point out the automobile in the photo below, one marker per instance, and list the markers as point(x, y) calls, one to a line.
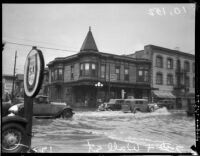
point(169, 104)
point(43, 108)
point(6, 103)
point(103, 107)
point(134, 105)
point(113, 104)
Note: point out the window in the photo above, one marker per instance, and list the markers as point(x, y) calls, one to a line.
point(187, 66)
point(169, 63)
point(159, 61)
point(193, 67)
point(126, 74)
point(103, 71)
point(52, 75)
point(72, 72)
point(55, 74)
point(193, 82)
point(117, 72)
point(169, 79)
point(87, 69)
point(81, 70)
point(159, 78)
point(142, 74)
point(93, 72)
point(60, 74)
point(187, 82)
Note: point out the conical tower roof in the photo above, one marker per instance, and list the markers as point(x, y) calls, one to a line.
point(89, 43)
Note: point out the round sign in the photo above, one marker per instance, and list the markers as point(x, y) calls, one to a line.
point(33, 72)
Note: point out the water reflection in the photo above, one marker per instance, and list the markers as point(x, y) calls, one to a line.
point(153, 132)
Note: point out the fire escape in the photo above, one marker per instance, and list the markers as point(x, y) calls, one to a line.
point(181, 87)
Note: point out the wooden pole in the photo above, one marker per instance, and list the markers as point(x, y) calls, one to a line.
point(14, 76)
point(28, 113)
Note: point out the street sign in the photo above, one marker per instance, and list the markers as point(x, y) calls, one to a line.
point(33, 72)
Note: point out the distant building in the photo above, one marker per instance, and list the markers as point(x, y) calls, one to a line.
point(44, 88)
point(72, 79)
point(173, 73)
point(7, 83)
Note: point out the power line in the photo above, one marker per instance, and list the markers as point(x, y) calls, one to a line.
point(39, 46)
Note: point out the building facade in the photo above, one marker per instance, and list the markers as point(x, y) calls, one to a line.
point(173, 74)
point(74, 79)
point(7, 84)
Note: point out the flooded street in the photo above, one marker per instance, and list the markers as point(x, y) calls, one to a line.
point(115, 131)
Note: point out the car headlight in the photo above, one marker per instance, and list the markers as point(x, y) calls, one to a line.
point(14, 109)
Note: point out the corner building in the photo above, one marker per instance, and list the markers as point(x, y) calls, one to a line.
point(72, 79)
point(173, 74)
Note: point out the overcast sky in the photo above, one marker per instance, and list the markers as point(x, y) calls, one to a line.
point(117, 28)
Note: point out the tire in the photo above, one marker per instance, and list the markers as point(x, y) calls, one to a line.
point(17, 135)
point(67, 113)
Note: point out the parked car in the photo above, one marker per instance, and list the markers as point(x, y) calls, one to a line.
point(6, 104)
point(134, 105)
point(113, 104)
point(169, 104)
point(42, 108)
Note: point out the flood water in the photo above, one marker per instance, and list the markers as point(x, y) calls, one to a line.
point(116, 132)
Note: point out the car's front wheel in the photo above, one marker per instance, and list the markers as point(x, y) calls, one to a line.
point(67, 113)
point(13, 138)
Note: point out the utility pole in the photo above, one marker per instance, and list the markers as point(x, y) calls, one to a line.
point(109, 84)
point(14, 76)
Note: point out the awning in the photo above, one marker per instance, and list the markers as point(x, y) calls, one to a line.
point(164, 94)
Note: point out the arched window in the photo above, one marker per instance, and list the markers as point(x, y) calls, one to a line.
point(159, 78)
point(170, 79)
point(187, 66)
point(159, 61)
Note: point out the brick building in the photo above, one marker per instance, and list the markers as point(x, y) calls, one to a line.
point(173, 74)
point(72, 79)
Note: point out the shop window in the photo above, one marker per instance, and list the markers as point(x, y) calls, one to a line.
point(169, 63)
point(159, 61)
point(159, 78)
point(169, 79)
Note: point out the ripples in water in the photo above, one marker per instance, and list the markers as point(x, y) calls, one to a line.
point(104, 129)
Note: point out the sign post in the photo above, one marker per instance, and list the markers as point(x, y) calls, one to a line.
point(33, 77)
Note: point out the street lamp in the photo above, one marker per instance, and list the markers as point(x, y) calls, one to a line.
point(98, 85)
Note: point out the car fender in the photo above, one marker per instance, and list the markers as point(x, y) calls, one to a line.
point(16, 119)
